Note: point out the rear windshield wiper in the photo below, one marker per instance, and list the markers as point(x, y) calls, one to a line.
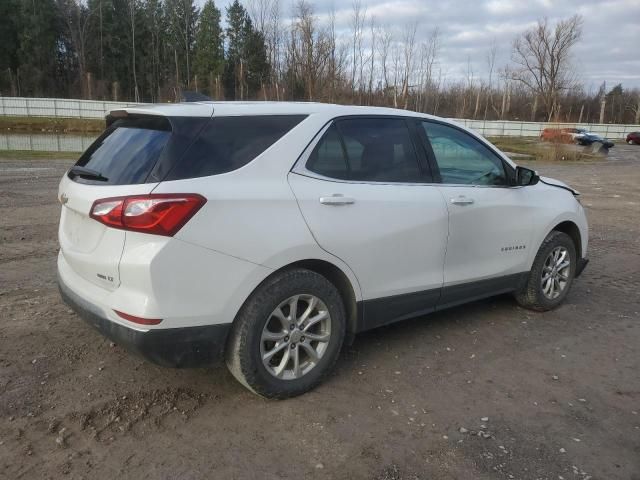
point(88, 173)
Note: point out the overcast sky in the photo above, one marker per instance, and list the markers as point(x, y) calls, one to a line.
point(609, 50)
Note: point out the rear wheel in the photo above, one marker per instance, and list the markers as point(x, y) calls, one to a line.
point(287, 335)
point(551, 275)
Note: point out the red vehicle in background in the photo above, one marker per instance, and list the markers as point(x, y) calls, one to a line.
point(561, 135)
point(633, 138)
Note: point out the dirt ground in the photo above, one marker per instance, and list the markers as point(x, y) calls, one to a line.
point(557, 394)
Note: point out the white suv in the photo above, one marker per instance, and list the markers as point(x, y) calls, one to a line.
point(270, 233)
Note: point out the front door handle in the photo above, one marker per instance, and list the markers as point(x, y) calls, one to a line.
point(337, 199)
point(462, 200)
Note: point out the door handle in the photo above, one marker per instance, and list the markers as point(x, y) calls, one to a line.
point(337, 199)
point(462, 200)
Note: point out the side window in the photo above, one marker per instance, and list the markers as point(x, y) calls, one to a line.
point(328, 158)
point(462, 159)
point(367, 149)
point(228, 143)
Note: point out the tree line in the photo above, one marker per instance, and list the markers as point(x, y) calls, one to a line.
point(154, 50)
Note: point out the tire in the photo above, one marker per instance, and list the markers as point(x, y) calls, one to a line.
point(533, 294)
point(246, 344)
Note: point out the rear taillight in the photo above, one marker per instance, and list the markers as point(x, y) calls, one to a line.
point(156, 213)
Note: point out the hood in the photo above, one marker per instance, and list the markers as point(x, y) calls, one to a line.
point(557, 183)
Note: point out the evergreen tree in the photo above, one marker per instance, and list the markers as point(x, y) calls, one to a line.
point(39, 51)
point(9, 28)
point(157, 65)
point(209, 49)
point(247, 64)
point(182, 18)
point(258, 65)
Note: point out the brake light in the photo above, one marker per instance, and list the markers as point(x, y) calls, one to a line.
point(158, 214)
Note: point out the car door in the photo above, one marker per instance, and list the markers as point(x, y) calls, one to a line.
point(490, 222)
point(362, 190)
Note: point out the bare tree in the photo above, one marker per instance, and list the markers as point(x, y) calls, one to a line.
point(384, 43)
point(309, 50)
point(395, 53)
point(358, 17)
point(491, 64)
point(633, 105)
point(132, 24)
point(428, 56)
point(333, 67)
point(542, 56)
point(372, 58)
point(408, 51)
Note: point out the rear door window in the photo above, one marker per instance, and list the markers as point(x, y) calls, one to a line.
point(367, 150)
point(228, 143)
point(127, 151)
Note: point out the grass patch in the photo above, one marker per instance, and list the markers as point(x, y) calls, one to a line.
point(51, 125)
point(37, 155)
point(531, 148)
point(522, 145)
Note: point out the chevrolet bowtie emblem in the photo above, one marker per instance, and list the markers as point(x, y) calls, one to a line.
point(64, 199)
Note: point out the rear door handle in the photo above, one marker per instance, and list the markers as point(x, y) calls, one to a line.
point(337, 199)
point(462, 200)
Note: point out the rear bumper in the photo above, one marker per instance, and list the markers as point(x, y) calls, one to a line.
point(170, 347)
point(582, 264)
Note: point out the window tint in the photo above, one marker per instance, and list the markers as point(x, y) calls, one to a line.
point(328, 158)
point(367, 149)
point(228, 143)
point(462, 159)
point(127, 151)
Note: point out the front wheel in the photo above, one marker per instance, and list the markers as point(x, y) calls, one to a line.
point(287, 335)
point(551, 275)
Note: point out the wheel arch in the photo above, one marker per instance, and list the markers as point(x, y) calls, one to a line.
point(570, 224)
point(340, 280)
point(337, 277)
point(571, 229)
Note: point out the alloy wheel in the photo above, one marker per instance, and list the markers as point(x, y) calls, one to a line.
point(295, 337)
point(555, 272)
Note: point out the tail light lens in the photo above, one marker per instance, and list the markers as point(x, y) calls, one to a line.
point(158, 214)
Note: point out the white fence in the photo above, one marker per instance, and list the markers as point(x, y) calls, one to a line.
point(64, 108)
point(49, 142)
point(505, 128)
point(56, 107)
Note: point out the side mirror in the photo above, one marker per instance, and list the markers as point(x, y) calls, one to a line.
point(526, 176)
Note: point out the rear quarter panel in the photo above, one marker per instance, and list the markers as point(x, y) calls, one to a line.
point(252, 214)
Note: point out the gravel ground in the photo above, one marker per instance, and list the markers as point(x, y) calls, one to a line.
point(557, 394)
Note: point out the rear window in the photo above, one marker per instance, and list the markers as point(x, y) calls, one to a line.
point(228, 143)
point(127, 151)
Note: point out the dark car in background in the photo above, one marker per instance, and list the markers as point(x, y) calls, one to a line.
point(633, 138)
point(578, 136)
point(586, 139)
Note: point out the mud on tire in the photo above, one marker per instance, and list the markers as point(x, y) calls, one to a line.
point(532, 294)
point(245, 346)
